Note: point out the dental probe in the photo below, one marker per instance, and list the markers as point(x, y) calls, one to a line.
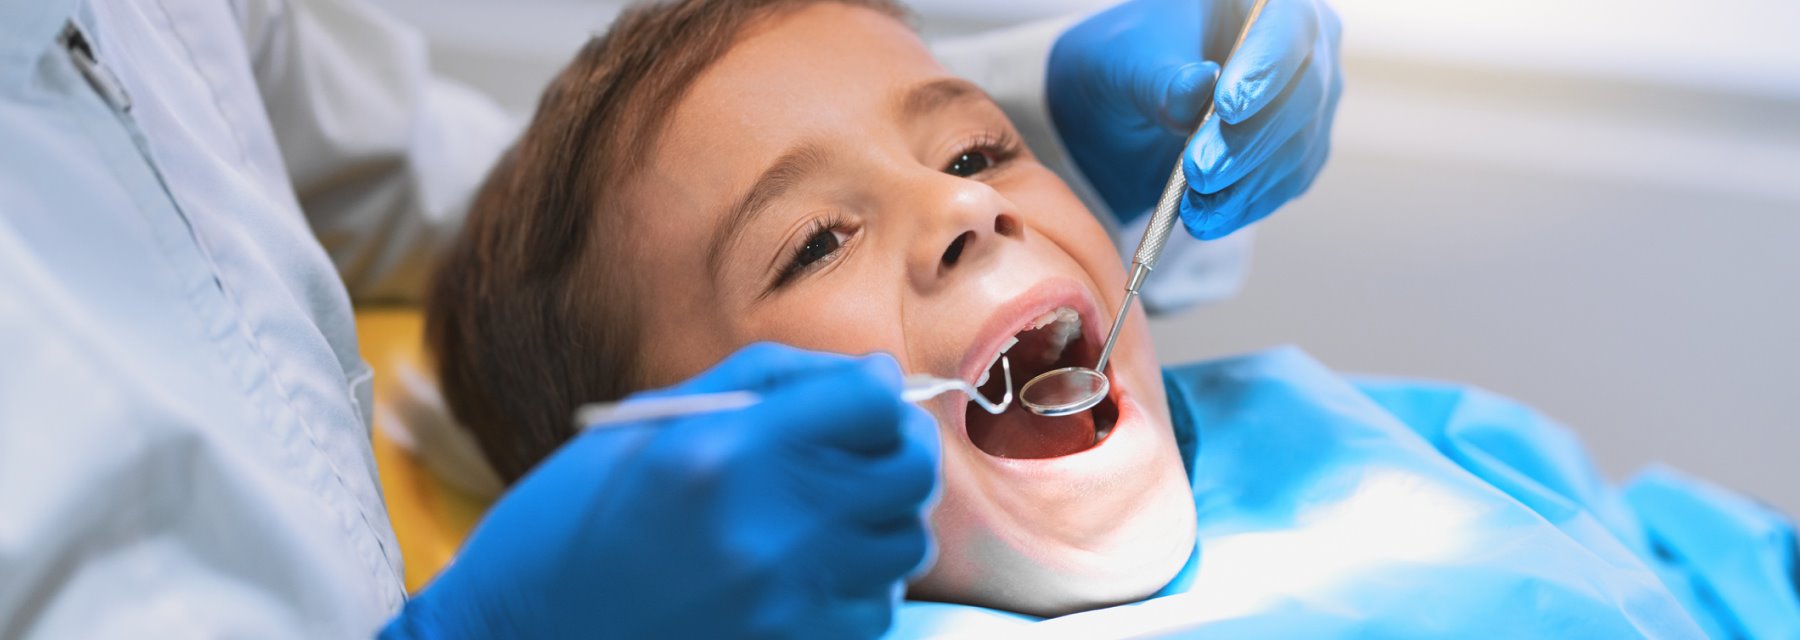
point(1068, 390)
point(916, 388)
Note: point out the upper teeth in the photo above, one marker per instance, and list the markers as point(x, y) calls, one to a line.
point(1064, 324)
point(990, 368)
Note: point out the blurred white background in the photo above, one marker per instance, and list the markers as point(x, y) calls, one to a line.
point(1590, 206)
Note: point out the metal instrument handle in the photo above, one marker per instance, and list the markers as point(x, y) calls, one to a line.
point(917, 387)
point(1168, 206)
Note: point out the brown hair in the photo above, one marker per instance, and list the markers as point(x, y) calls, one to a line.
point(532, 311)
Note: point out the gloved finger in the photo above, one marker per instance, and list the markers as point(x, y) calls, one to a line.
point(1289, 188)
point(1272, 52)
point(1224, 154)
point(892, 491)
point(867, 563)
point(852, 617)
point(1172, 96)
point(759, 366)
point(856, 408)
point(1214, 216)
point(1256, 197)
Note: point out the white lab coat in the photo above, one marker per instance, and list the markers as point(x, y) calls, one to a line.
point(184, 419)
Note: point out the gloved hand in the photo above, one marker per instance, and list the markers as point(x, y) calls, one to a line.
point(795, 517)
point(1128, 85)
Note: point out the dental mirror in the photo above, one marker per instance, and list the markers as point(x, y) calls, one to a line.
point(1060, 392)
point(1064, 391)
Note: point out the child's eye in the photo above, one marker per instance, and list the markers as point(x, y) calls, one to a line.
point(821, 244)
point(969, 163)
point(984, 153)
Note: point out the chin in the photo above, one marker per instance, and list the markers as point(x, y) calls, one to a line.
point(1050, 516)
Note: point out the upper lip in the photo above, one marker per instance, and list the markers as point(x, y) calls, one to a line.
point(1015, 315)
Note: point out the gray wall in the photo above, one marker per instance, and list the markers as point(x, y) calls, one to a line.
point(1591, 207)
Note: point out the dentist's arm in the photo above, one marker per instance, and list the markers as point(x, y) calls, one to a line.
point(1108, 100)
point(797, 517)
point(383, 153)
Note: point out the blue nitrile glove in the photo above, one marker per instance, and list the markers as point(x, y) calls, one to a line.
point(1128, 85)
point(797, 517)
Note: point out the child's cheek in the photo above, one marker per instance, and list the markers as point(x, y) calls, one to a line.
point(1046, 203)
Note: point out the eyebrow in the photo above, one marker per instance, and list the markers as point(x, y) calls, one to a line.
point(932, 95)
point(788, 170)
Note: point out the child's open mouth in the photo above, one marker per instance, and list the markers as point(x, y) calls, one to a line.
point(1053, 340)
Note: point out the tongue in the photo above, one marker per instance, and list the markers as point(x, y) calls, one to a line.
point(1018, 433)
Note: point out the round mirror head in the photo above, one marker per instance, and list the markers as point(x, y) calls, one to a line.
point(1060, 392)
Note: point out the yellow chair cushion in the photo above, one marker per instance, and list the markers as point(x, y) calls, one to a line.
point(431, 518)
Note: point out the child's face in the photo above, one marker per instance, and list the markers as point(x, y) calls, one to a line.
point(894, 212)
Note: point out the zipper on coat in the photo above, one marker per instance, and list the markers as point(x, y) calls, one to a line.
point(98, 76)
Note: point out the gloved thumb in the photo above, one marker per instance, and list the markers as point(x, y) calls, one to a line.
point(760, 366)
point(1174, 96)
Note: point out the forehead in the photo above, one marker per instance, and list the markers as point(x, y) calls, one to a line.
point(823, 71)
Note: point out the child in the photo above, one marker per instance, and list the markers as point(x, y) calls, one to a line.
point(804, 172)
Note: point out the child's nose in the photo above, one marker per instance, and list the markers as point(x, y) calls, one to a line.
point(966, 222)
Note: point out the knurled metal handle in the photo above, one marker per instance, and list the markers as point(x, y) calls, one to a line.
point(1162, 219)
point(1168, 207)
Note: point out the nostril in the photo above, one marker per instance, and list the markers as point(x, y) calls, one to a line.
point(954, 253)
point(1005, 225)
